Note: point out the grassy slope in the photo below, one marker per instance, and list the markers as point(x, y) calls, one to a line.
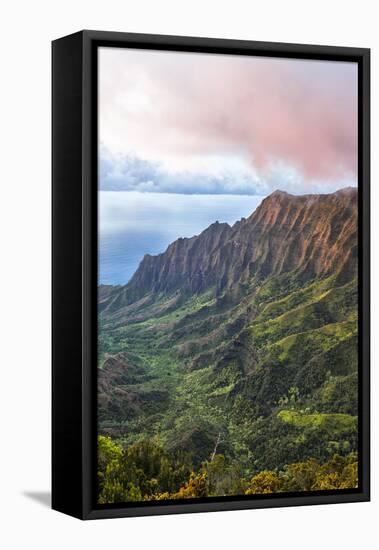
point(270, 373)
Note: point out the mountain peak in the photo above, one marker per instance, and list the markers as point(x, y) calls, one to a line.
point(311, 236)
point(280, 193)
point(351, 191)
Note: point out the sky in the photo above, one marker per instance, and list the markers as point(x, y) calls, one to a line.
point(186, 139)
point(214, 124)
point(133, 224)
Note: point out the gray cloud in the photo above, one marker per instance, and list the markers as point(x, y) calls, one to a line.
point(130, 173)
point(179, 108)
point(120, 172)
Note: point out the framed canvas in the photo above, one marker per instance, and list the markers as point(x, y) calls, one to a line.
point(210, 274)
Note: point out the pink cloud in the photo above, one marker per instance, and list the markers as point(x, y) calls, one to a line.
point(301, 113)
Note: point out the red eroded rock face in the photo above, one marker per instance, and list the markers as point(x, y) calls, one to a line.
point(227, 327)
point(314, 235)
point(311, 235)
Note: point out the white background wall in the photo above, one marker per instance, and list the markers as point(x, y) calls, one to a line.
point(26, 31)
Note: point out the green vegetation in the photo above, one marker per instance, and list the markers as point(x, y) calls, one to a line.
point(264, 393)
point(144, 471)
point(245, 385)
point(334, 424)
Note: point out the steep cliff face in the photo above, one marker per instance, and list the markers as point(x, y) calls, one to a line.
point(187, 263)
point(241, 331)
point(310, 235)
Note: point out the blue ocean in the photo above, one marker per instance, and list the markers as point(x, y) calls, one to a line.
point(132, 224)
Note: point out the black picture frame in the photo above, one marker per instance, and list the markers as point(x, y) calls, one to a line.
point(74, 270)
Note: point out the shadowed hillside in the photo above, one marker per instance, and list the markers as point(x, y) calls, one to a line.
point(241, 341)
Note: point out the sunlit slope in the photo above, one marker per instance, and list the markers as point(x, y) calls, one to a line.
point(257, 354)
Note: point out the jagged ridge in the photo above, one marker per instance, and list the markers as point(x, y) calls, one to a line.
point(313, 235)
point(275, 308)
